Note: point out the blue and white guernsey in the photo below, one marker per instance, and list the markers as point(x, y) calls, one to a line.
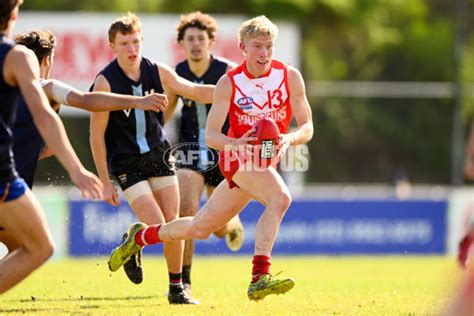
point(134, 131)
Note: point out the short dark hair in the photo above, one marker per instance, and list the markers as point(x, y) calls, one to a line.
point(127, 24)
point(40, 42)
point(199, 20)
point(6, 9)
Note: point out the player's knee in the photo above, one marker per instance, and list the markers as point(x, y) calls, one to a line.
point(42, 252)
point(47, 249)
point(281, 201)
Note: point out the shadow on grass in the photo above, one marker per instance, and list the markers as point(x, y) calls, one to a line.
point(53, 310)
point(32, 310)
point(83, 298)
point(63, 310)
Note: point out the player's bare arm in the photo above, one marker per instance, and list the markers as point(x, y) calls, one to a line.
point(25, 74)
point(173, 98)
point(217, 116)
point(301, 109)
point(172, 102)
point(201, 93)
point(97, 101)
point(98, 125)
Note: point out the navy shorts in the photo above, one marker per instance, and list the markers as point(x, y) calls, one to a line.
point(212, 177)
point(131, 169)
point(209, 170)
point(12, 190)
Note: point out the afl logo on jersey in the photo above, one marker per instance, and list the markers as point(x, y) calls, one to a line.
point(245, 101)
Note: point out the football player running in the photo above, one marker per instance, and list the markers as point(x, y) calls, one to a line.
point(261, 87)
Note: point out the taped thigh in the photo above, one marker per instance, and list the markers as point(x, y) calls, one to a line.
point(135, 191)
point(157, 183)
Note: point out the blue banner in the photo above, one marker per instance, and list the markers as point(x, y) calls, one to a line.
point(309, 227)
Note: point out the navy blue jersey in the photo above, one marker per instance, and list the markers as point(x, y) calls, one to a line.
point(134, 131)
point(28, 143)
point(194, 116)
point(8, 99)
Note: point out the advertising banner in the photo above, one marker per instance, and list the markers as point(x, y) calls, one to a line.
point(309, 227)
point(83, 47)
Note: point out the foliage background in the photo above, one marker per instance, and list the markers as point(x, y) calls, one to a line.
point(356, 140)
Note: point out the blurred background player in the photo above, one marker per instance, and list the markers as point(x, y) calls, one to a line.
point(21, 217)
point(466, 243)
point(196, 34)
point(29, 144)
point(466, 247)
point(132, 144)
point(277, 92)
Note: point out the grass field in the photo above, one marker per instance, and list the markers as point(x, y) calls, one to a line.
point(324, 286)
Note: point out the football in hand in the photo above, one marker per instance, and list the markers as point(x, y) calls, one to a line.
point(268, 136)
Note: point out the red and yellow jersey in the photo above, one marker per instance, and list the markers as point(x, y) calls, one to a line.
point(256, 98)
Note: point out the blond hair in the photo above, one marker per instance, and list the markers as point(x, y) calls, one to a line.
point(126, 24)
point(257, 26)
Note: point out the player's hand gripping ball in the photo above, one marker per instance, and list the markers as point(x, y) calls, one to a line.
point(266, 145)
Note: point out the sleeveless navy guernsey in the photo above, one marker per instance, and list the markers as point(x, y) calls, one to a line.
point(194, 116)
point(8, 99)
point(134, 131)
point(28, 143)
point(193, 123)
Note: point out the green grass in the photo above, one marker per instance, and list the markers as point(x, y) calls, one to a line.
point(324, 286)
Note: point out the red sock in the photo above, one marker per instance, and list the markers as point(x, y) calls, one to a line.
point(148, 236)
point(261, 265)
